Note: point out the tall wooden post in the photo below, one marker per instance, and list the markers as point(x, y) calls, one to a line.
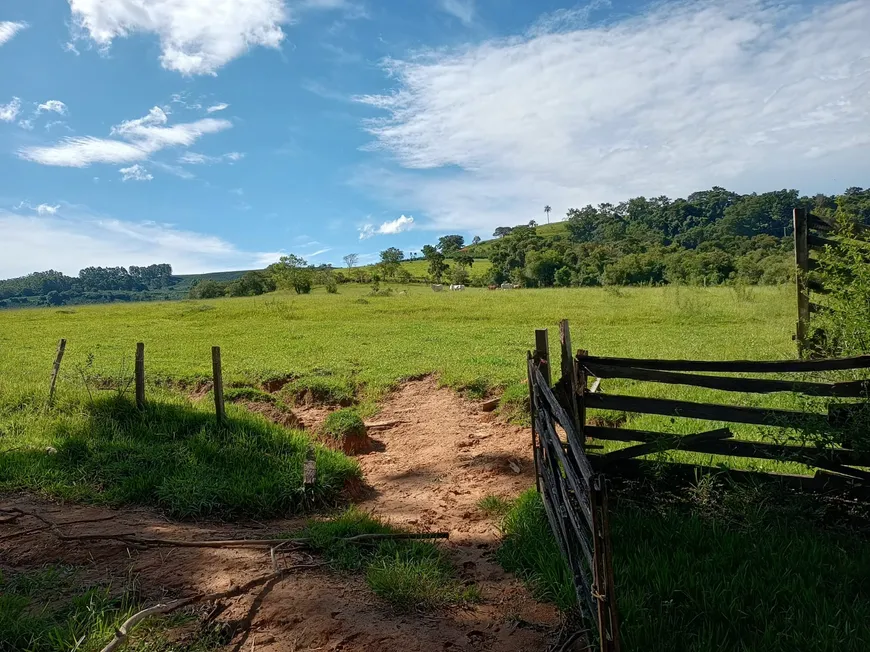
point(603, 584)
point(217, 374)
point(542, 351)
point(61, 347)
point(569, 373)
point(140, 375)
point(802, 268)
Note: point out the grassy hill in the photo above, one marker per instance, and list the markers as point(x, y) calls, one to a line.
point(419, 268)
point(482, 249)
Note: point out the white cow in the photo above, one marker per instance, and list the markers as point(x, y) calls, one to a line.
point(507, 286)
point(437, 288)
point(457, 287)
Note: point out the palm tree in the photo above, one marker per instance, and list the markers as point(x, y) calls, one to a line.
point(547, 210)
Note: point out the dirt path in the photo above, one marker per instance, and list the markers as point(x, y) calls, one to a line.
point(427, 472)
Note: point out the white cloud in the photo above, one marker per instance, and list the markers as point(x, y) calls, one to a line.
point(8, 29)
point(349, 10)
point(196, 36)
point(8, 112)
point(461, 9)
point(217, 107)
point(56, 123)
point(52, 105)
point(135, 173)
point(747, 94)
point(142, 137)
point(398, 225)
point(177, 170)
point(80, 239)
point(46, 209)
point(41, 209)
point(194, 158)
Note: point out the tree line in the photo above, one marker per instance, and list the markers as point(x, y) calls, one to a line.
point(711, 237)
point(93, 284)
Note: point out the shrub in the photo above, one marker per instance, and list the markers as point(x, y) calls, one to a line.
point(207, 289)
point(563, 277)
point(251, 284)
point(460, 275)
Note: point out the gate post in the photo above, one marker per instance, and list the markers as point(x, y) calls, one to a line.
point(802, 268)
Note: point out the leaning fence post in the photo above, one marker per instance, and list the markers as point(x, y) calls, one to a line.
point(140, 375)
point(218, 384)
point(529, 363)
point(802, 264)
point(61, 347)
point(542, 350)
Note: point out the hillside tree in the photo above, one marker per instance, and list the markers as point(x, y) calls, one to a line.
point(448, 244)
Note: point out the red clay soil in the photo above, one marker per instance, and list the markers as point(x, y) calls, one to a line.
point(426, 473)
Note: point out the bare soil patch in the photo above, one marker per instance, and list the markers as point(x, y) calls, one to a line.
point(425, 472)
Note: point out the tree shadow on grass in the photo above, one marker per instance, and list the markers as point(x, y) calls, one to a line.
point(175, 456)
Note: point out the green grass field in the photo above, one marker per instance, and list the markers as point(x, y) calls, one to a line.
point(361, 345)
point(688, 579)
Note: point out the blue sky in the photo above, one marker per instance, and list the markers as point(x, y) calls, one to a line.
point(218, 134)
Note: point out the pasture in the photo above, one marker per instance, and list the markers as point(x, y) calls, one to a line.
point(714, 570)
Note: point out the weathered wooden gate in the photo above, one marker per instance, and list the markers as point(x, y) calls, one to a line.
point(574, 496)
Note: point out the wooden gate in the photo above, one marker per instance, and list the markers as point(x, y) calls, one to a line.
point(574, 496)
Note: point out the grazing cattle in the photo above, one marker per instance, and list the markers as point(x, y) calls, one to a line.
point(437, 288)
point(457, 287)
point(507, 286)
point(492, 287)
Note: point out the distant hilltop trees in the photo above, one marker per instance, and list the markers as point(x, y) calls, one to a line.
point(91, 284)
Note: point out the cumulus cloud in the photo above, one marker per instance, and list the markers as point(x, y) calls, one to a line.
point(52, 105)
point(10, 111)
point(744, 93)
point(8, 29)
point(194, 158)
point(196, 36)
point(217, 107)
point(398, 225)
point(142, 137)
point(461, 9)
point(135, 173)
point(80, 239)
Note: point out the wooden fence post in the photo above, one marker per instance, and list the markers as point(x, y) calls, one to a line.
point(140, 375)
point(603, 581)
point(217, 373)
point(802, 264)
point(569, 373)
point(535, 452)
point(542, 350)
point(61, 347)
